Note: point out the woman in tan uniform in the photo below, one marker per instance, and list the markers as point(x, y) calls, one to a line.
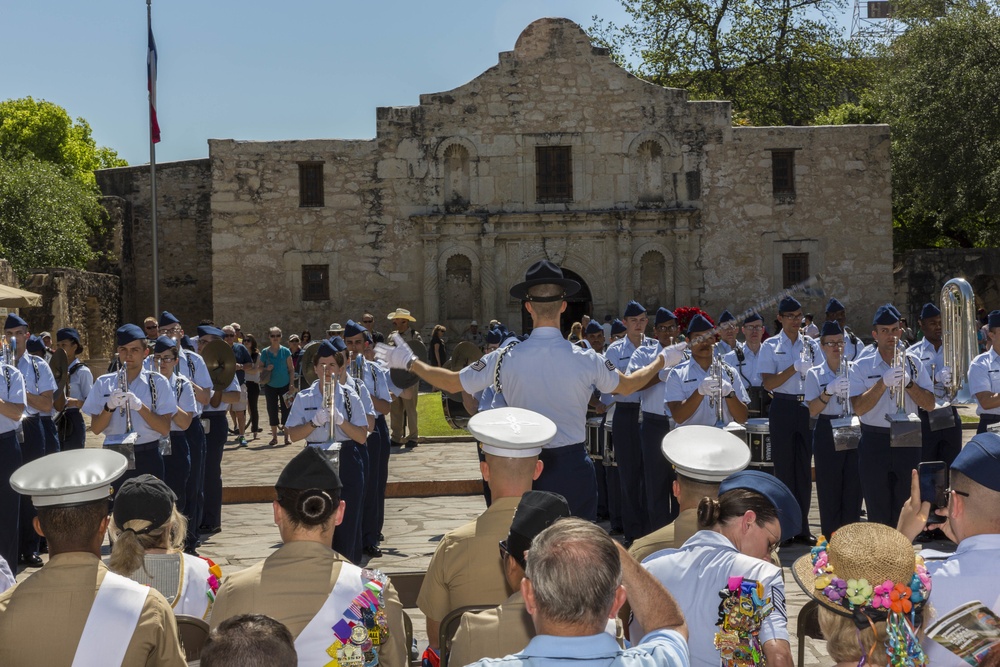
point(330, 606)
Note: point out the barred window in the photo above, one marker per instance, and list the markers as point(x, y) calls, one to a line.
point(783, 172)
point(316, 282)
point(310, 184)
point(553, 173)
point(794, 268)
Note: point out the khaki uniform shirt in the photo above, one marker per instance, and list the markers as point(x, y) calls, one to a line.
point(466, 569)
point(291, 585)
point(42, 618)
point(668, 537)
point(493, 633)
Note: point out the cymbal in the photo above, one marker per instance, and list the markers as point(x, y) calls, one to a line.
point(406, 379)
point(464, 354)
point(60, 369)
point(307, 367)
point(221, 363)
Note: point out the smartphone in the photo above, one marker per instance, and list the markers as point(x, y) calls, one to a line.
point(933, 487)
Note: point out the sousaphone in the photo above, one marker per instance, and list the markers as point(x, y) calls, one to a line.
point(221, 363)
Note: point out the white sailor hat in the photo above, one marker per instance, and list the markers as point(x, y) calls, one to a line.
point(72, 477)
point(705, 453)
point(512, 432)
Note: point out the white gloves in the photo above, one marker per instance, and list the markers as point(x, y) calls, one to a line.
point(321, 418)
point(894, 376)
point(711, 386)
point(943, 376)
point(802, 365)
point(119, 399)
point(673, 354)
point(400, 356)
point(839, 387)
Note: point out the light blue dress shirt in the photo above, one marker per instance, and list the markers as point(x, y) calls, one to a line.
point(924, 350)
point(747, 370)
point(663, 648)
point(817, 378)
point(868, 370)
point(166, 404)
point(38, 378)
point(684, 379)
point(778, 353)
point(984, 375)
point(234, 385)
point(620, 354)
point(652, 398)
point(550, 375)
point(694, 575)
point(192, 366)
point(12, 387)
point(80, 380)
point(184, 395)
point(310, 399)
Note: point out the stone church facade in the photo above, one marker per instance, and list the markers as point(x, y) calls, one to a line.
point(554, 153)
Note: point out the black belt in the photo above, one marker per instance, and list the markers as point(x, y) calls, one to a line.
point(9, 434)
point(652, 416)
point(139, 447)
point(30, 417)
point(798, 398)
point(989, 419)
point(214, 413)
point(878, 430)
point(827, 417)
point(628, 407)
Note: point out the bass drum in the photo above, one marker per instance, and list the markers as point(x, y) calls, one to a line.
point(759, 441)
point(454, 410)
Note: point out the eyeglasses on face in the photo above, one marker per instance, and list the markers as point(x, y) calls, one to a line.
point(836, 343)
point(275, 336)
point(150, 327)
point(948, 493)
point(228, 335)
point(504, 551)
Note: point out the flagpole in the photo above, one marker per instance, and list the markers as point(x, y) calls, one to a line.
point(152, 181)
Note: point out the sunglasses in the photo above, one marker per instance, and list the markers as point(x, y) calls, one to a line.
point(150, 327)
point(229, 335)
point(275, 336)
point(504, 551)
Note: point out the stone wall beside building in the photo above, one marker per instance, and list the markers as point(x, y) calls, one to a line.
point(921, 274)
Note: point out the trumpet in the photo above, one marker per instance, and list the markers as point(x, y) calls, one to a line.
point(330, 447)
point(805, 354)
point(846, 427)
point(126, 410)
point(717, 401)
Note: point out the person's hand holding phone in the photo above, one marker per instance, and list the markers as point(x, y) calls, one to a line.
point(913, 517)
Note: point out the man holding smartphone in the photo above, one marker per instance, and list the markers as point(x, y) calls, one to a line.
point(972, 520)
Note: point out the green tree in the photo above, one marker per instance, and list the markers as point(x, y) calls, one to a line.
point(939, 92)
point(780, 62)
point(46, 218)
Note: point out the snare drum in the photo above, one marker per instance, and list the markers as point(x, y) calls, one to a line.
point(595, 438)
point(609, 446)
point(759, 441)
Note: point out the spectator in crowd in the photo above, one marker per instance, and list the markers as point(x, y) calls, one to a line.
point(278, 369)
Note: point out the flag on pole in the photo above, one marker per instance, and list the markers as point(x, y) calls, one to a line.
point(154, 127)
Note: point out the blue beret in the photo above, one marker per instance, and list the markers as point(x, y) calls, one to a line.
point(13, 321)
point(772, 488)
point(326, 349)
point(832, 306)
point(885, 315)
point(929, 310)
point(753, 317)
point(164, 343)
point(698, 324)
point(663, 315)
point(494, 336)
point(338, 343)
point(167, 318)
point(128, 333)
point(726, 316)
point(832, 328)
point(593, 327)
point(352, 328)
point(789, 305)
point(617, 327)
point(633, 309)
point(34, 344)
point(993, 320)
point(208, 330)
point(68, 333)
point(979, 460)
point(186, 343)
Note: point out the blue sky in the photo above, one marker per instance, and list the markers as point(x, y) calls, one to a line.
point(255, 70)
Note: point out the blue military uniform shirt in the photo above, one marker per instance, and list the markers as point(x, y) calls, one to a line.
point(662, 648)
point(166, 404)
point(778, 353)
point(684, 379)
point(12, 387)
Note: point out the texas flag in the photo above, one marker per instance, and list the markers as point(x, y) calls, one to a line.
point(154, 127)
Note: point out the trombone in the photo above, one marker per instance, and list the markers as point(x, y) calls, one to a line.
point(330, 446)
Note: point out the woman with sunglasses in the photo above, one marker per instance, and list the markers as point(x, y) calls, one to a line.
point(277, 360)
point(838, 485)
point(731, 593)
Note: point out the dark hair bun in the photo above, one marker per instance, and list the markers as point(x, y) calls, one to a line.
point(708, 512)
point(313, 507)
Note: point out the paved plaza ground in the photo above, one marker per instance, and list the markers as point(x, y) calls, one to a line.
point(413, 525)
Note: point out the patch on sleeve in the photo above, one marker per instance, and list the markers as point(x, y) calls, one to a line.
point(611, 366)
point(478, 366)
point(778, 600)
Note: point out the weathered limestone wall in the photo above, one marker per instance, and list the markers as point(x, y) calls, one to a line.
point(920, 275)
point(184, 227)
point(90, 302)
point(841, 215)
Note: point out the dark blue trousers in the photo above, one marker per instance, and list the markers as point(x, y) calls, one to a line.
point(838, 481)
point(78, 437)
point(195, 492)
point(177, 467)
point(791, 448)
point(986, 420)
point(628, 453)
point(148, 461)
point(215, 440)
point(385, 448)
point(32, 448)
point(614, 497)
point(374, 496)
point(943, 445)
point(885, 474)
point(10, 500)
point(569, 472)
point(347, 536)
point(658, 474)
point(51, 434)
